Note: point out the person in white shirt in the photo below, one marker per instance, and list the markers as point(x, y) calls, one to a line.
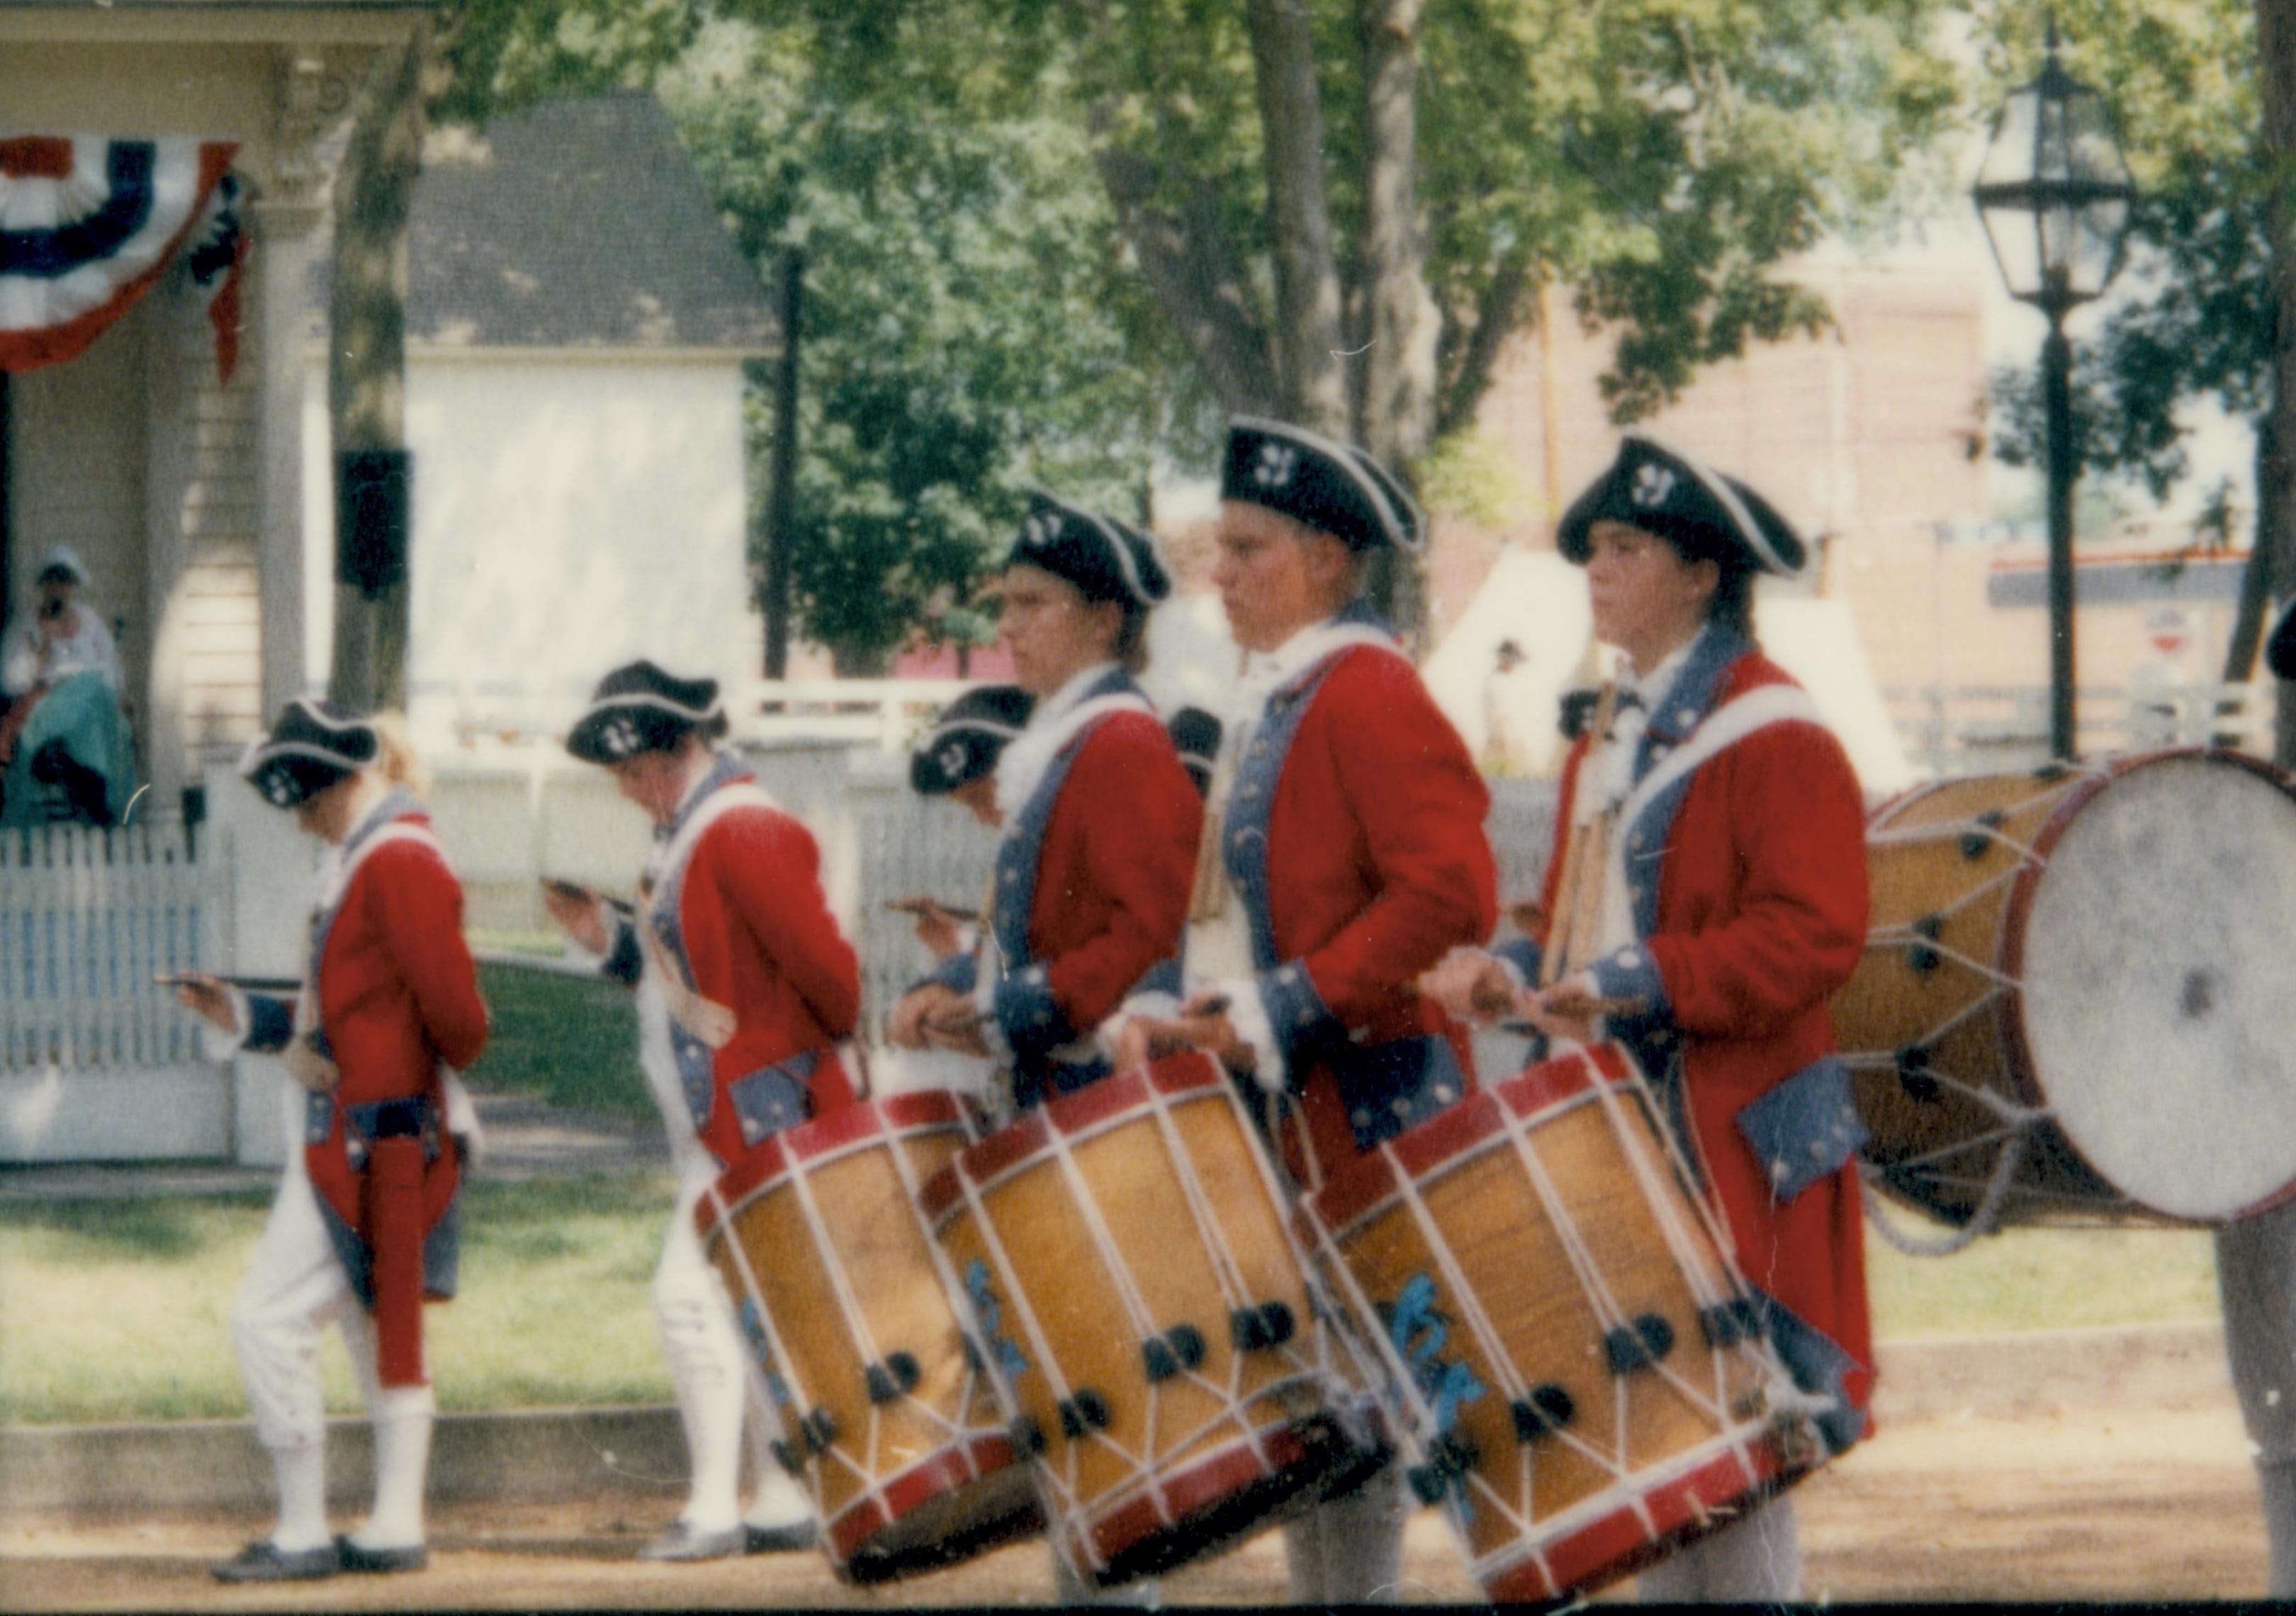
point(60, 672)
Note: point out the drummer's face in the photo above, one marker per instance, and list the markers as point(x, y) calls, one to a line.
point(1647, 597)
point(1274, 576)
point(1055, 632)
point(980, 796)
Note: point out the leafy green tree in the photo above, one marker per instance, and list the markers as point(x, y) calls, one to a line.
point(1343, 209)
point(967, 331)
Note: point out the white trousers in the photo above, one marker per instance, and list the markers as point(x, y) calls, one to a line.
point(295, 1287)
point(1350, 1550)
point(720, 1398)
point(2256, 1279)
point(1755, 1560)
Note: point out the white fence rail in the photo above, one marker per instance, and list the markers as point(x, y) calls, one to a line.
point(1973, 729)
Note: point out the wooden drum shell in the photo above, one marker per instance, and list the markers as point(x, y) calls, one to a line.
point(825, 1215)
point(1077, 1235)
point(1454, 1205)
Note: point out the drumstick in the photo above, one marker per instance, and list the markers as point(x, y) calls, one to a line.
point(964, 1022)
point(575, 891)
point(919, 905)
point(245, 984)
point(1559, 933)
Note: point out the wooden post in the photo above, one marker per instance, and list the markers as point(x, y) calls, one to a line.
point(781, 498)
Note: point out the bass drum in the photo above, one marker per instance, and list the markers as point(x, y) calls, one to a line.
point(2075, 1000)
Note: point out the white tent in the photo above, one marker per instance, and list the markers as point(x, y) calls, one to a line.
point(1538, 600)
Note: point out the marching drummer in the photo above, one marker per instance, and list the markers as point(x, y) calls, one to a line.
point(1733, 904)
point(1344, 854)
point(745, 986)
point(365, 1228)
point(957, 759)
point(2256, 1280)
point(1091, 878)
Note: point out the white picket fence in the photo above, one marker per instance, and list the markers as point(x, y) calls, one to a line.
point(88, 918)
point(1954, 730)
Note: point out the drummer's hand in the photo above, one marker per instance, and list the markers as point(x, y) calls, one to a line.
point(957, 1030)
point(1153, 1037)
point(209, 1000)
point(1471, 985)
point(938, 930)
point(1203, 1020)
point(1568, 1009)
point(909, 1016)
point(583, 919)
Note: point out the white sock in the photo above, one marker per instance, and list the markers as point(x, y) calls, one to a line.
point(302, 1497)
point(779, 1498)
point(402, 1464)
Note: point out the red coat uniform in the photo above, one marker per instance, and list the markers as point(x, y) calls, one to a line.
point(1368, 863)
point(739, 912)
point(1751, 903)
point(1093, 878)
point(398, 998)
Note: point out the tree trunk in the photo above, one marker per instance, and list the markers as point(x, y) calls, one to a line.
point(1307, 335)
point(2275, 40)
point(2249, 615)
point(1400, 327)
point(1185, 259)
point(366, 356)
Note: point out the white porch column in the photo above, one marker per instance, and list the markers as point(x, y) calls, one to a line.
point(282, 250)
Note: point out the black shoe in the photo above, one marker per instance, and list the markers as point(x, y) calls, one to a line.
point(351, 1557)
point(263, 1561)
point(788, 1540)
point(681, 1544)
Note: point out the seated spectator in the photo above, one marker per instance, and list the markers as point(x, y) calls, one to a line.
point(63, 726)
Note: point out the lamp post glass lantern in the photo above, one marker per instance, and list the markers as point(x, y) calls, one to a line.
point(2053, 193)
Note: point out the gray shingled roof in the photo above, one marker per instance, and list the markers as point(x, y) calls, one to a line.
point(573, 223)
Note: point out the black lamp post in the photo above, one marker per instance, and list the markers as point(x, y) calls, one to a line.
point(2054, 192)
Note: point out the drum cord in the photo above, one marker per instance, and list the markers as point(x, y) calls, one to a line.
point(1981, 1223)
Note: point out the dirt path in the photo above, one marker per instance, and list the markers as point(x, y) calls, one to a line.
point(2080, 1505)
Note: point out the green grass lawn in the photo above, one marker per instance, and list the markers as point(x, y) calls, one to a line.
point(119, 1310)
point(569, 1040)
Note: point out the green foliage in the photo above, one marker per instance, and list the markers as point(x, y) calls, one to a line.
point(1660, 156)
point(967, 331)
point(2193, 317)
point(565, 1040)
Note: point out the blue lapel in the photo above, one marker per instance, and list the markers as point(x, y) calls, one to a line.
point(1676, 718)
point(1023, 846)
point(1244, 835)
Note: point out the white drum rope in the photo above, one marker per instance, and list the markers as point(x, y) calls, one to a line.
point(969, 1386)
point(1567, 1227)
point(1981, 1222)
point(784, 1366)
point(1062, 1488)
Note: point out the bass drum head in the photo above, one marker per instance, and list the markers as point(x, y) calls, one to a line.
point(2159, 1005)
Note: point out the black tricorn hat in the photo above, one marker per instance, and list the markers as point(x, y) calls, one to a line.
point(638, 707)
point(1196, 736)
point(2280, 651)
point(311, 745)
point(964, 745)
point(1332, 487)
point(1703, 513)
point(1105, 559)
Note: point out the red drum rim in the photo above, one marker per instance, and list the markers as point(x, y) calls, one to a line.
point(848, 1126)
point(1628, 1537)
point(2009, 1013)
point(1172, 1501)
point(959, 1464)
point(1094, 1107)
point(1358, 1190)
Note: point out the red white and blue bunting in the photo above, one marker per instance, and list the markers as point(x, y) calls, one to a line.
point(88, 225)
